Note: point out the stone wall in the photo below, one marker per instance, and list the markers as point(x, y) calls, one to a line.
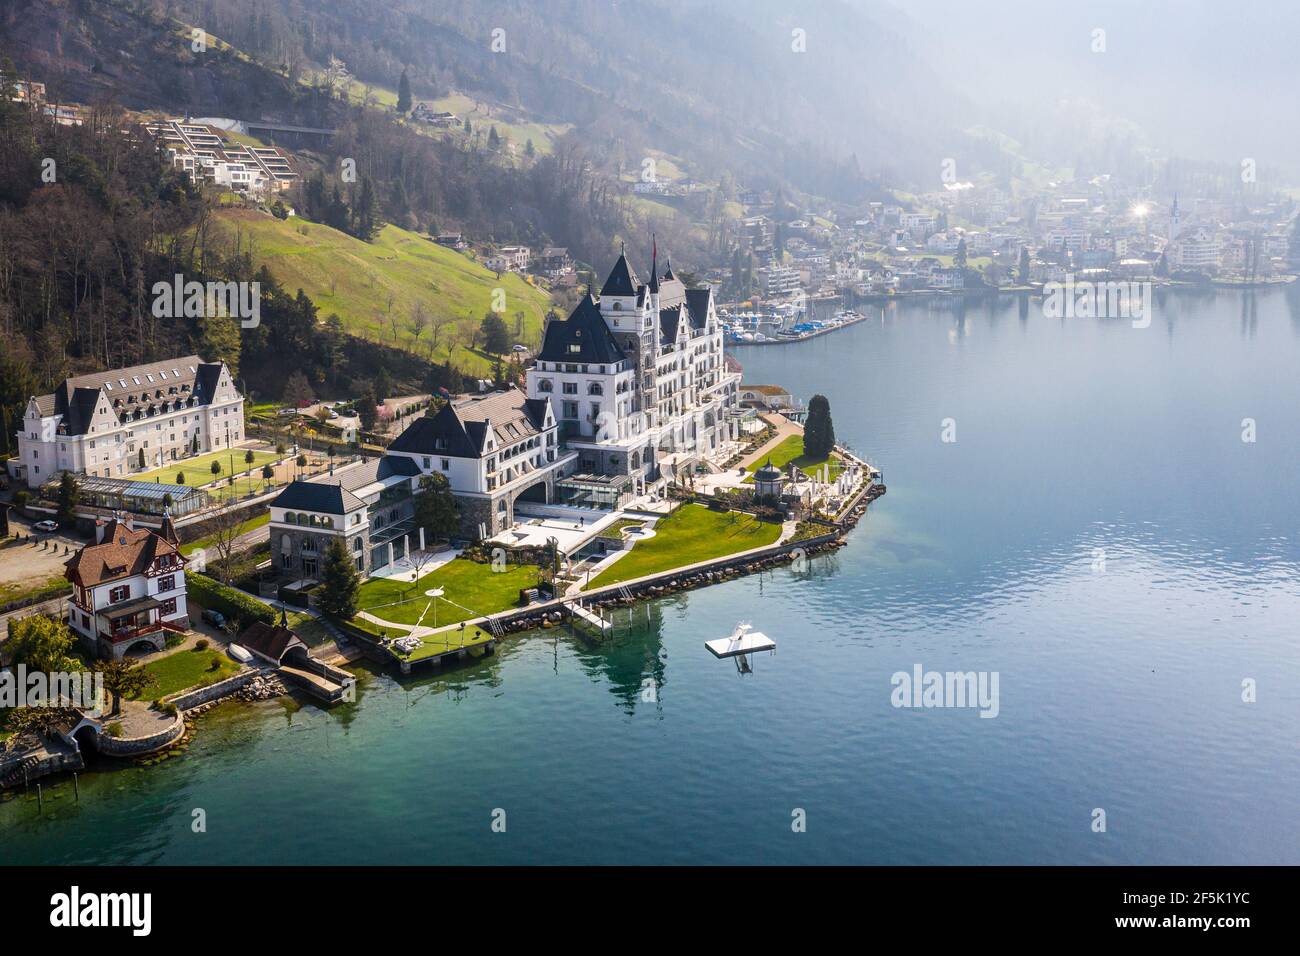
point(130, 746)
point(203, 695)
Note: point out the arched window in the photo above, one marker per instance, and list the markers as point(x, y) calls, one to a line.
point(595, 388)
point(545, 385)
point(357, 544)
point(636, 459)
point(286, 544)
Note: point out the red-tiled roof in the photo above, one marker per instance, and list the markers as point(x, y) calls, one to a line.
point(123, 554)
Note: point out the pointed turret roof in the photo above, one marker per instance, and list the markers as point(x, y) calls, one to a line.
point(622, 280)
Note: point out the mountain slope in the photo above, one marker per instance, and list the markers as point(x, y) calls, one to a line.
point(376, 287)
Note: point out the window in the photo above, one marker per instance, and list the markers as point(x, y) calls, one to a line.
point(570, 388)
point(446, 465)
point(168, 607)
point(570, 409)
point(545, 385)
point(119, 594)
point(595, 389)
point(168, 583)
point(357, 544)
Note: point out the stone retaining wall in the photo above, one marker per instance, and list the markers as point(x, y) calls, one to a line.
point(130, 746)
point(188, 700)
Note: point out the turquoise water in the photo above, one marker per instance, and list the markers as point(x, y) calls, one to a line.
point(1120, 688)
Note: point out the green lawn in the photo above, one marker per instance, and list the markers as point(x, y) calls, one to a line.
point(187, 668)
point(791, 450)
point(21, 590)
point(356, 279)
point(244, 528)
point(476, 587)
point(198, 470)
point(691, 533)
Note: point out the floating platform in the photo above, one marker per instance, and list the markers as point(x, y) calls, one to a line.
point(743, 642)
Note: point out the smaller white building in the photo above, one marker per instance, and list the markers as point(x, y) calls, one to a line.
point(128, 588)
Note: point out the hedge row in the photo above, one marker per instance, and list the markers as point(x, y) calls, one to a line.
point(236, 605)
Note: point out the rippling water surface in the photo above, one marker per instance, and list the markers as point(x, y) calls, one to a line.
point(1120, 686)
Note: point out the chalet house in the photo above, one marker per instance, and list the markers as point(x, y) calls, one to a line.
point(128, 588)
point(106, 422)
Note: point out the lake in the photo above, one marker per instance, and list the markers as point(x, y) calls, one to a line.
point(1098, 534)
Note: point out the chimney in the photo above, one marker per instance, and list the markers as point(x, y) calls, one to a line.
point(130, 522)
point(99, 531)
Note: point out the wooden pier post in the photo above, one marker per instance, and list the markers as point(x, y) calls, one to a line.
point(76, 788)
point(40, 798)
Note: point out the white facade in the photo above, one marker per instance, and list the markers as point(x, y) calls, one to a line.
point(103, 424)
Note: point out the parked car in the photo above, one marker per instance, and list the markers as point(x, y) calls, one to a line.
point(46, 525)
point(521, 348)
point(215, 618)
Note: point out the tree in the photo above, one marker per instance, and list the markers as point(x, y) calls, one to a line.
point(340, 582)
point(216, 467)
point(139, 460)
point(1024, 265)
point(366, 408)
point(436, 509)
point(248, 457)
point(23, 722)
point(69, 497)
point(124, 678)
point(180, 477)
point(224, 534)
point(818, 430)
point(42, 643)
point(403, 94)
point(297, 390)
point(959, 258)
point(267, 472)
point(495, 335)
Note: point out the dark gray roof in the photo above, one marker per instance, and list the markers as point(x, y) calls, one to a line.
point(463, 425)
point(167, 381)
point(622, 280)
point(421, 436)
point(697, 301)
point(318, 496)
point(668, 321)
point(585, 328)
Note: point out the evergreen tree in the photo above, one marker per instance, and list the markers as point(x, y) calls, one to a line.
point(959, 258)
point(69, 497)
point(818, 430)
point(366, 405)
point(495, 335)
point(340, 582)
point(1024, 264)
point(436, 510)
point(403, 94)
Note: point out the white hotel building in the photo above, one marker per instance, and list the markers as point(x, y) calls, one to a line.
point(101, 424)
point(637, 378)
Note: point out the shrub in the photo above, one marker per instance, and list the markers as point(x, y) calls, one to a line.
point(114, 729)
point(201, 644)
point(173, 640)
point(165, 706)
point(237, 606)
